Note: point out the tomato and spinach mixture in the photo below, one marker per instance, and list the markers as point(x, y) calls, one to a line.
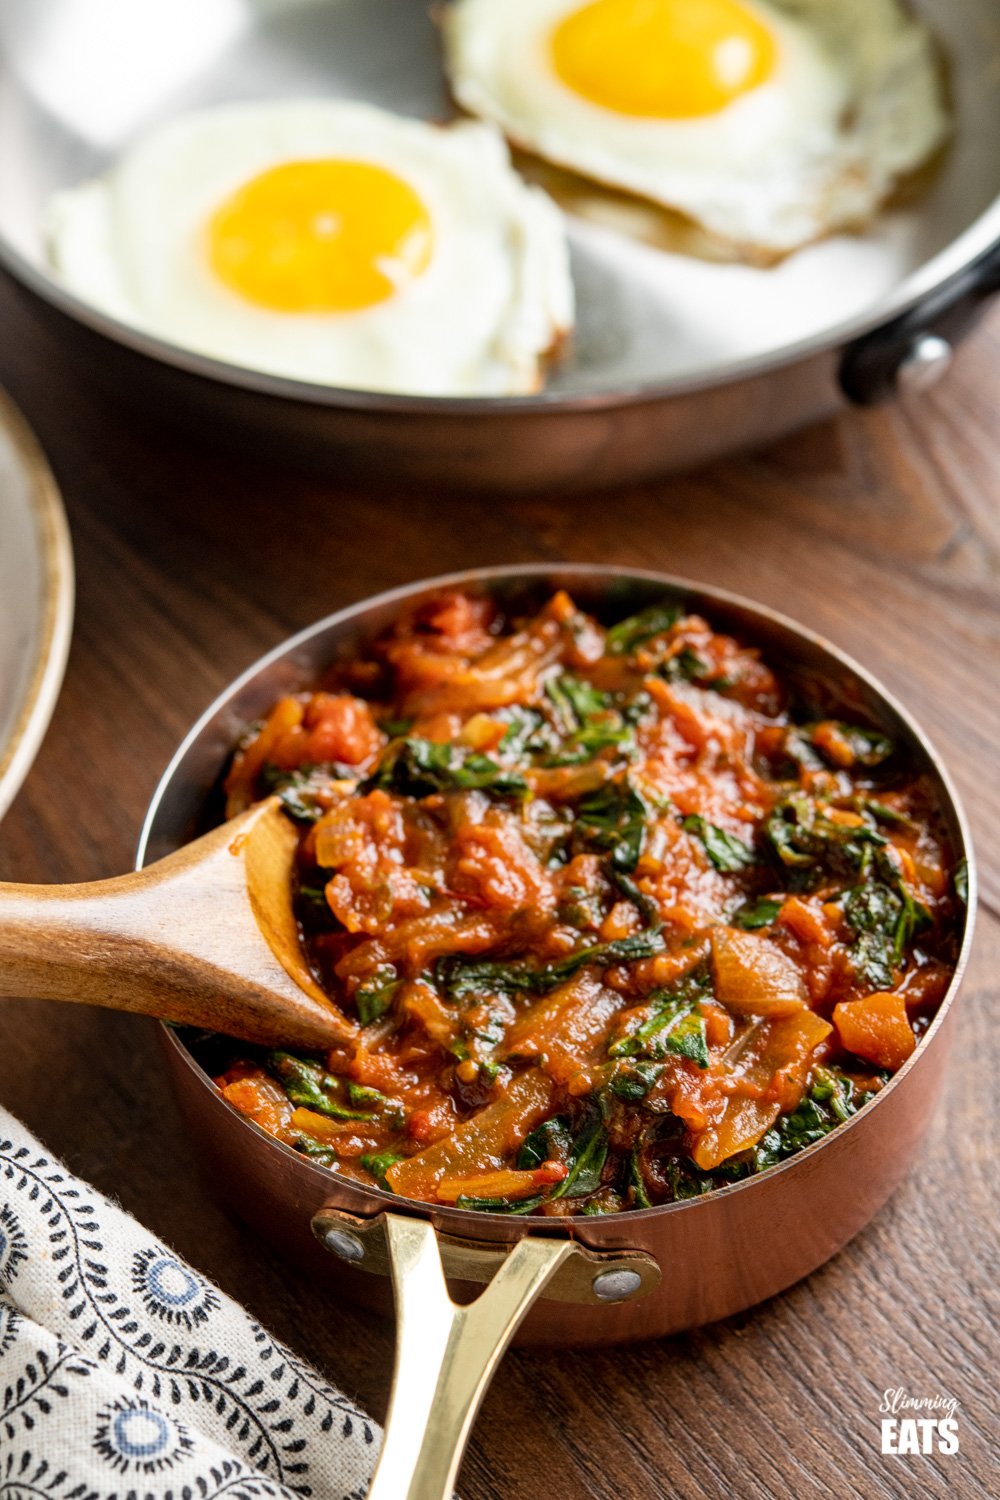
point(613, 916)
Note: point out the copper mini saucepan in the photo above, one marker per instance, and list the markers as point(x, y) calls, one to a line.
point(572, 1281)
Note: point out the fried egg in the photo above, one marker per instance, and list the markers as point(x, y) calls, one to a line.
point(771, 123)
point(329, 242)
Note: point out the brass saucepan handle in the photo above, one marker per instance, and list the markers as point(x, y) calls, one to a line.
point(446, 1355)
point(445, 1352)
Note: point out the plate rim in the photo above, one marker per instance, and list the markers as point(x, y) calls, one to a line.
point(57, 603)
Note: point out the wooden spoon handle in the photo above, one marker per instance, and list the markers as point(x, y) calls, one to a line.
point(205, 937)
point(85, 943)
point(121, 944)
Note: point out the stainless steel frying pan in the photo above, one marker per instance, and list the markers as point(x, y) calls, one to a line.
point(675, 360)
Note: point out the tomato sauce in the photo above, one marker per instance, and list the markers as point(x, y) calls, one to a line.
point(615, 916)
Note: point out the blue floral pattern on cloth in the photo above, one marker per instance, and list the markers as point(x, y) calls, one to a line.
point(123, 1372)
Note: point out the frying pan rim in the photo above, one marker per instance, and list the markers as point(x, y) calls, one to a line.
point(464, 1221)
point(972, 242)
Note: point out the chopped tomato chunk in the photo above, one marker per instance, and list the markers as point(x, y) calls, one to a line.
point(877, 1028)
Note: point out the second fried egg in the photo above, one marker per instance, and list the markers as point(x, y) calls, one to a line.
point(769, 122)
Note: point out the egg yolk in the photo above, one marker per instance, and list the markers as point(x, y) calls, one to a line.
point(663, 59)
point(324, 236)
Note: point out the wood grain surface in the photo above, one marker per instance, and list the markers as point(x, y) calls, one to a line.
point(881, 530)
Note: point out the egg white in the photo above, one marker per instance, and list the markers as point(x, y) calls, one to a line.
point(855, 103)
point(494, 300)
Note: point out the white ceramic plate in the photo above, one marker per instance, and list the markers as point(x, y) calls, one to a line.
point(36, 598)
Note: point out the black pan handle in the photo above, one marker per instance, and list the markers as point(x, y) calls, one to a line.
point(914, 350)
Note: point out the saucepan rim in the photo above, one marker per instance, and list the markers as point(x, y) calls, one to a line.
point(467, 1222)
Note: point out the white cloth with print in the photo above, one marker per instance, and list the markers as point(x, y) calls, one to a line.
point(123, 1372)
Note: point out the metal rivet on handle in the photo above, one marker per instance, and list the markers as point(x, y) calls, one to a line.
point(342, 1243)
point(927, 359)
point(616, 1286)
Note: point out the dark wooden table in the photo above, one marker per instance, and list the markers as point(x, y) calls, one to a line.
point(880, 530)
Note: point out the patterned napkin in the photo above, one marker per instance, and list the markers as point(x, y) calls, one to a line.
point(125, 1375)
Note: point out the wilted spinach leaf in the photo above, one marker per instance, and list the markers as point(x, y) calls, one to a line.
point(803, 837)
point(420, 768)
point(499, 1205)
point(613, 821)
point(374, 997)
point(585, 743)
point(586, 1161)
point(684, 1179)
point(628, 635)
point(526, 730)
point(831, 1100)
point(311, 1087)
point(960, 880)
point(675, 1025)
point(647, 905)
point(550, 1141)
point(883, 814)
point(378, 1164)
point(574, 700)
point(758, 913)
point(726, 852)
point(313, 909)
point(461, 977)
point(632, 1081)
point(868, 746)
point(884, 919)
point(394, 729)
point(316, 1150)
point(298, 789)
point(684, 666)
point(635, 1181)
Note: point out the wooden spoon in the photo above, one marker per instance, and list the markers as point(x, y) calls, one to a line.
point(206, 937)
